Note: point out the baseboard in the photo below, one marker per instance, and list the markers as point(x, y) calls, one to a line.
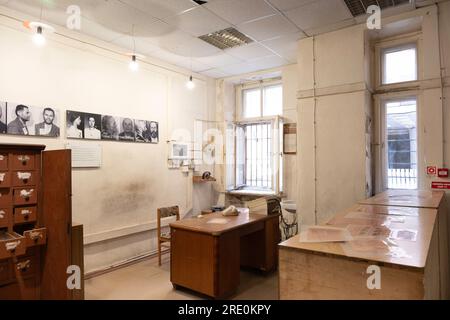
point(123, 264)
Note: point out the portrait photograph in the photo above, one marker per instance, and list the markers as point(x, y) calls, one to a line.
point(92, 126)
point(110, 127)
point(47, 122)
point(126, 129)
point(3, 117)
point(74, 124)
point(153, 132)
point(22, 119)
point(179, 150)
point(141, 131)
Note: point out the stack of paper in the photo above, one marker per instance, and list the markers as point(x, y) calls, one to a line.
point(258, 206)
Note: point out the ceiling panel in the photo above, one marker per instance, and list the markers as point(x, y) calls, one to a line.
point(219, 60)
point(239, 68)
point(267, 28)
point(319, 13)
point(251, 51)
point(215, 73)
point(285, 5)
point(285, 46)
point(197, 21)
point(138, 45)
point(268, 62)
point(238, 11)
point(186, 45)
point(161, 9)
point(193, 65)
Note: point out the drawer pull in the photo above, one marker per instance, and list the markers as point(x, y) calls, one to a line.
point(2, 177)
point(24, 159)
point(25, 212)
point(23, 266)
point(2, 157)
point(26, 194)
point(36, 235)
point(2, 214)
point(11, 246)
point(24, 176)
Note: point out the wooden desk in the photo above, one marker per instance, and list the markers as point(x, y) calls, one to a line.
point(409, 269)
point(424, 199)
point(206, 256)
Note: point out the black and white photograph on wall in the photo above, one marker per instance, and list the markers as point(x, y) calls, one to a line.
point(47, 122)
point(21, 119)
point(154, 132)
point(92, 126)
point(110, 128)
point(2, 117)
point(126, 128)
point(74, 124)
point(141, 131)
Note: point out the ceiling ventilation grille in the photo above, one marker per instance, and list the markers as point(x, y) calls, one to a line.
point(359, 7)
point(227, 38)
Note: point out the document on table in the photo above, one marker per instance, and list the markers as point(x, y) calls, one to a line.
point(325, 234)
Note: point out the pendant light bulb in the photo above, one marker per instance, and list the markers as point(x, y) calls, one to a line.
point(134, 65)
point(190, 84)
point(38, 38)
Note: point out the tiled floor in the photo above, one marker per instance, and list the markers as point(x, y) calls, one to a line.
point(147, 281)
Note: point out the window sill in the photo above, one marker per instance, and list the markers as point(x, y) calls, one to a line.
point(250, 192)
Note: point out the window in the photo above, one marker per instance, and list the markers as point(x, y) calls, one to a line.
point(263, 101)
point(401, 136)
point(399, 64)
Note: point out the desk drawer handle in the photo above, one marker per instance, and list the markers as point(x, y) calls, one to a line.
point(12, 246)
point(2, 214)
point(2, 177)
point(2, 157)
point(23, 266)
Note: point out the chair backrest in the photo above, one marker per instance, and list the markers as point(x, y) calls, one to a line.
point(167, 213)
point(273, 206)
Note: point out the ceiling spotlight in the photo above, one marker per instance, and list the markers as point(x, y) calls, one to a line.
point(190, 84)
point(134, 64)
point(39, 29)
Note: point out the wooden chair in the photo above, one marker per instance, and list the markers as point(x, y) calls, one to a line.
point(164, 237)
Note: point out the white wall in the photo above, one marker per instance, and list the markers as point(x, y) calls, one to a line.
point(116, 203)
point(337, 90)
point(332, 108)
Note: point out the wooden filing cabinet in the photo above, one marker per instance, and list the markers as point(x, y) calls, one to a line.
point(35, 222)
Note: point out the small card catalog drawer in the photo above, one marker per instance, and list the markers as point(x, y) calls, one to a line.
point(24, 196)
point(5, 198)
point(5, 179)
point(11, 244)
point(22, 162)
point(3, 162)
point(23, 178)
point(24, 215)
point(26, 266)
point(36, 237)
point(4, 217)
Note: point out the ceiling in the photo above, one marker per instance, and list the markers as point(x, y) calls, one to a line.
point(169, 29)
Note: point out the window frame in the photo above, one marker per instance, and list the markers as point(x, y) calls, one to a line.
point(383, 160)
point(391, 44)
point(254, 85)
point(387, 50)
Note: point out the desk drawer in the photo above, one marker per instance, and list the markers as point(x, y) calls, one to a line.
point(3, 162)
point(5, 179)
point(24, 178)
point(4, 217)
point(11, 244)
point(22, 162)
point(24, 196)
point(24, 215)
point(5, 197)
point(36, 237)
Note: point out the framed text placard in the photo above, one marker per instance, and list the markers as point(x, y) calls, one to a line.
point(290, 138)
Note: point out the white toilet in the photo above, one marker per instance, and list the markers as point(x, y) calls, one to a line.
point(289, 221)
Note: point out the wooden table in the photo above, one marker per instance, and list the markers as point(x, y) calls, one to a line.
point(408, 269)
point(424, 199)
point(207, 253)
